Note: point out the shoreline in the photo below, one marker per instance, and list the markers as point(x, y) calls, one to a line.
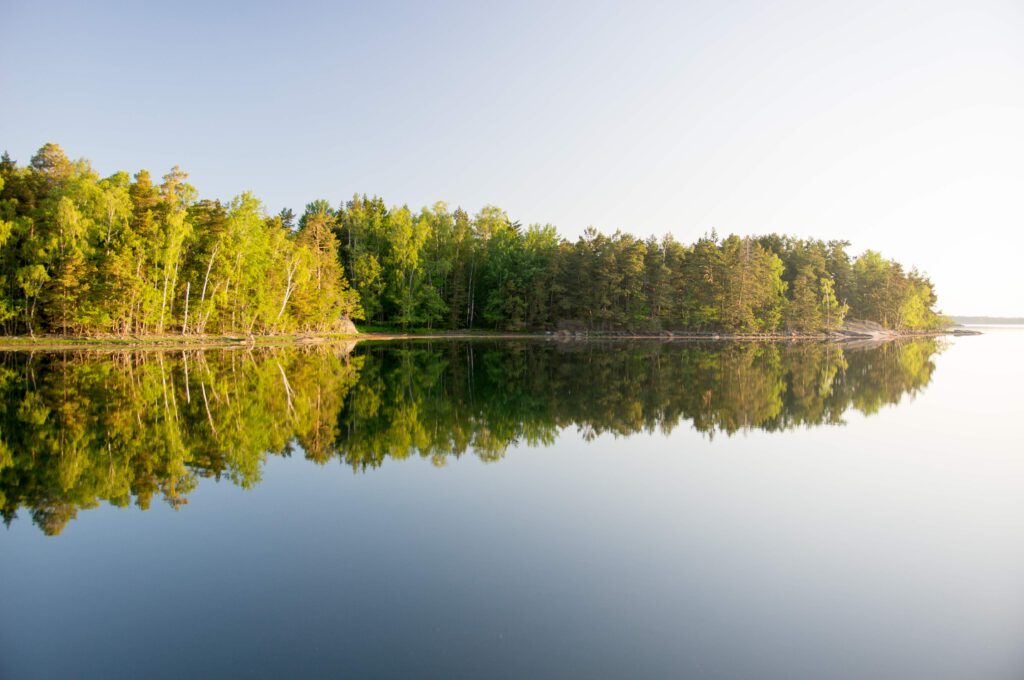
point(179, 343)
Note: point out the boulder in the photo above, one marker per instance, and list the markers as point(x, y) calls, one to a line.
point(347, 327)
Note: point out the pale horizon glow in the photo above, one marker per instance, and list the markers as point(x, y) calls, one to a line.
point(898, 126)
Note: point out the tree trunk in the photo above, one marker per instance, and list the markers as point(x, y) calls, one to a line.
point(184, 323)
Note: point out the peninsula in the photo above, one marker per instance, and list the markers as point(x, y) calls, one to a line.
point(125, 258)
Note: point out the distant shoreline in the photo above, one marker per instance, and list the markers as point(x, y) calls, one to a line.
point(989, 320)
point(176, 343)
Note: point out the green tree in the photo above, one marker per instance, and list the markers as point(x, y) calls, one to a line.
point(326, 300)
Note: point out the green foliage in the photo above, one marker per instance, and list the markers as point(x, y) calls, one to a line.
point(85, 255)
point(813, 303)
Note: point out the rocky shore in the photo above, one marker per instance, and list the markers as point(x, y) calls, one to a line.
point(852, 330)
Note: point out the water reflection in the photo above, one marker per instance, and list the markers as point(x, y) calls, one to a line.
point(80, 428)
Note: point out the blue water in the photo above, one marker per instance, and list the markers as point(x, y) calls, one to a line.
point(888, 547)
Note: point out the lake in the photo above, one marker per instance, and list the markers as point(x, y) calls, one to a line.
point(464, 509)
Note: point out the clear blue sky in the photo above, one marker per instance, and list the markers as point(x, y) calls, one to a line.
point(897, 125)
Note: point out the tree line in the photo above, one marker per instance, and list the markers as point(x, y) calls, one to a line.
point(81, 254)
point(124, 255)
point(78, 428)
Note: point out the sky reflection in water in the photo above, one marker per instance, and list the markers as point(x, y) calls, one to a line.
point(616, 510)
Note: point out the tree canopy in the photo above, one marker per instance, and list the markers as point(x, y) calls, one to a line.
point(81, 254)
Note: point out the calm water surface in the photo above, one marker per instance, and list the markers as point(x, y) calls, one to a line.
point(520, 509)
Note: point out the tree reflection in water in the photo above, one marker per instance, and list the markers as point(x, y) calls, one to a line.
point(78, 428)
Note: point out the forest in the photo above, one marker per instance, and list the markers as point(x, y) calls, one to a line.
point(126, 255)
point(81, 428)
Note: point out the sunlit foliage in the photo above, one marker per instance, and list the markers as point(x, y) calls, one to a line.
point(81, 254)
